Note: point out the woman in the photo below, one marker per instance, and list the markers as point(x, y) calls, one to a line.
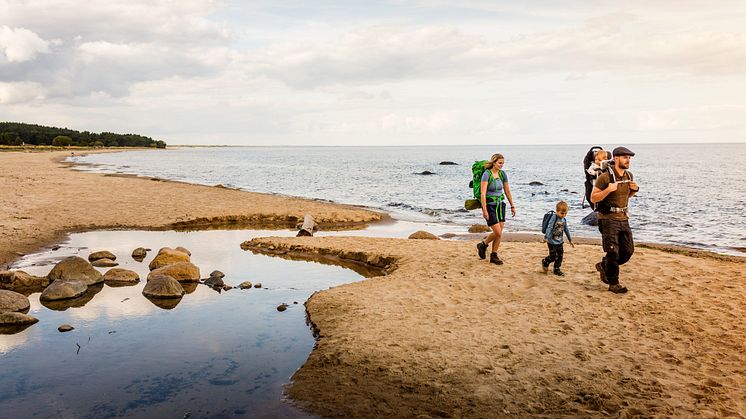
point(494, 189)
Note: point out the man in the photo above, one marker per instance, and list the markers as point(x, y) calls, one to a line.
point(611, 193)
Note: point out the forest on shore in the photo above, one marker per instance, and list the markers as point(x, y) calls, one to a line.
point(19, 134)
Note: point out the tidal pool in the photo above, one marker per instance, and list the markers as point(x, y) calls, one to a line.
point(209, 354)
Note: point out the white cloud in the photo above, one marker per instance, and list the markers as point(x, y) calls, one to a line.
point(19, 92)
point(20, 44)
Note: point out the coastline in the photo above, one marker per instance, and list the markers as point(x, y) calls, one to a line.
point(46, 200)
point(443, 332)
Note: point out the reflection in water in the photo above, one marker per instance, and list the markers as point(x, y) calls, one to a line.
point(62, 305)
point(210, 354)
point(13, 329)
point(165, 303)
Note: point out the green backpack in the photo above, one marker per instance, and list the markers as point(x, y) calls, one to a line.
point(477, 169)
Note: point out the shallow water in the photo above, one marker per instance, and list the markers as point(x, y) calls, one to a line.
point(212, 355)
point(691, 194)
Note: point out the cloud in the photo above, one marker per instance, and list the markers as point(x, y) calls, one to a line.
point(20, 44)
point(18, 92)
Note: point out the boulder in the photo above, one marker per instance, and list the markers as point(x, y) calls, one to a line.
point(591, 219)
point(139, 254)
point(163, 286)
point(16, 319)
point(423, 235)
point(245, 285)
point(65, 328)
point(121, 275)
point(167, 256)
point(183, 250)
point(11, 301)
point(75, 268)
point(101, 254)
point(479, 228)
point(13, 280)
point(104, 263)
point(62, 305)
point(181, 271)
point(62, 290)
point(214, 282)
point(282, 307)
point(258, 285)
point(189, 287)
point(217, 274)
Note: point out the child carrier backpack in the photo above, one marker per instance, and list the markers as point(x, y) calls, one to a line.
point(590, 157)
point(602, 206)
point(545, 222)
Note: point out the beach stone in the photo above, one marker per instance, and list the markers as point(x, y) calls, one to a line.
point(214, 282)
point(184, 250)
point(104, 263)
point(217, 274)
point(479, 228)
point(258, 285)
point(167, 256)
point(423, 235)
point(448, 163)
point(535, 183)
point(101, 254)
point(62, 290)
point(121, 275)
point(163, 286)
point(282, 307)
point(12, 280)
point(245, 285)
point(181, 271)
point(65, 328)
point(16, 319)
point(139, 254)
point(11, 301)
point(447, 235)
point(75, 268)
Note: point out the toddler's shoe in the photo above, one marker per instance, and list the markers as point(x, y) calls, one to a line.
point(544, 266)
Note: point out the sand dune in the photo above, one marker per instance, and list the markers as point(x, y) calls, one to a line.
point(447, 334)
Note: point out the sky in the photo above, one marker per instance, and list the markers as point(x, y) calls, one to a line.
point(390, 72)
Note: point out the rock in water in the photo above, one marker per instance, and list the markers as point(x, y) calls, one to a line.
point(181, 271)
point(11, 301)
point(590, 219)
point(245, 285)
point(184, 250)
point(139, 254)
point(163, 286)
point(448, 163)
point(16, 319)
point(282, 307)
point(217, 274)
point(75, 268)
point(423, 235)
point(121, 275)
point(535, 183)
point(62, 290)
point(13, 280)
point(167, 256)
point(101, 254)
point(425, 172)
point(479, 228)
point(214, 282)
point(65, 328)
point(104, 263)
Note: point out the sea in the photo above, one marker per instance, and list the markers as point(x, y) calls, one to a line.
point(690, 194)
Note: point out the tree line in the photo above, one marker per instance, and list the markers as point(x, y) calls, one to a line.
point(16, 134)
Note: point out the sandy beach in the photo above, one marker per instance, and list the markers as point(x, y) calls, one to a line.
point(43, 199)
point(443, 334)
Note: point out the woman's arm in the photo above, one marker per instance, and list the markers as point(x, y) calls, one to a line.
point(483, 188)
point(510, 197)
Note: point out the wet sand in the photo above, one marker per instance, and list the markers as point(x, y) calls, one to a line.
point(43, 199)
point(444, 334)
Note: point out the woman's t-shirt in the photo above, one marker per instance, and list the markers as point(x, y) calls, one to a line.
point(494, 188)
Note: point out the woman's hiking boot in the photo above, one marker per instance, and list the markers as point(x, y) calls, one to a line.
point(494, 259)
point(602, 273)
point(617, 288)
point(482, 249)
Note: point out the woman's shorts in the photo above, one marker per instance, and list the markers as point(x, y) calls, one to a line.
point(496, 213)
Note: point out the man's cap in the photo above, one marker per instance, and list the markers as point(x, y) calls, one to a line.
point(622, 151)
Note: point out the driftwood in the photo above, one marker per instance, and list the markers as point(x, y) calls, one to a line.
point(308, 227)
